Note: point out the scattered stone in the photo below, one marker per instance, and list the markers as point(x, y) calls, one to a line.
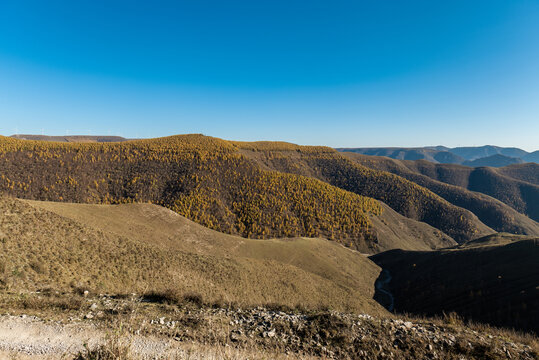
point(408, 324)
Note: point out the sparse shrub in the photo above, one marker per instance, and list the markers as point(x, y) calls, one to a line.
point(453, 318)
point(193, 298)
point(115, 349)
point(38, 267)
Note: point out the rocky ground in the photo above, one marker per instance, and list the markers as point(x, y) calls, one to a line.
point(149, 330)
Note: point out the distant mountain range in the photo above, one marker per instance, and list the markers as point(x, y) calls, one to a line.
point(488, 155)
point(70, 138)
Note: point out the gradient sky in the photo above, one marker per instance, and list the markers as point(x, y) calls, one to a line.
point(338, 73)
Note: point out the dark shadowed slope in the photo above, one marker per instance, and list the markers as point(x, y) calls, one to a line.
point(492, 280)
point(489, 210)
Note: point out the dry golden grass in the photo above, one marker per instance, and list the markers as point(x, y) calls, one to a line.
point(86, 250)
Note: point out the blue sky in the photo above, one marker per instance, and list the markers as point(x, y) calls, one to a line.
point(337, 73)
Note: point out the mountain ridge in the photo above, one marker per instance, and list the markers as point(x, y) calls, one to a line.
point(474, 156)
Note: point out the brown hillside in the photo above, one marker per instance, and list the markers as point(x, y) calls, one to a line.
point(206, 180)
point(505, 184)
point(492, 280)
point(492, 212)
point(528, 172)
point(43, 249)
point(199, 177)
point(405, 197)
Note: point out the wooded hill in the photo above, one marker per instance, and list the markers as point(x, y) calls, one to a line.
point(506, 199)
point(405, 197)
point(256, 190)
point(210, 182)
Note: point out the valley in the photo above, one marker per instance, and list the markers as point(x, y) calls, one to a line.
point(197, 230)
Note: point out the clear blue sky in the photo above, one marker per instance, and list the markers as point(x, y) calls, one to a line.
point(337, 73)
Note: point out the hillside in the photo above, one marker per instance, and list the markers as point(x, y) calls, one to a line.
point(145, 221)
point(528, 172)
point(41, 249)
point(405, 197)
point(491, 280)
point(492, 212)
point(168, 285)
point(218, 184)
point(504, 184)
point(199, 177)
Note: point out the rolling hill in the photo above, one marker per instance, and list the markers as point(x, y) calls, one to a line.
point(520, 195)
point(528, 172)
point(148, 249)
point(405, 197)
point(491, 280)
point(491, 211)
point(211, 182)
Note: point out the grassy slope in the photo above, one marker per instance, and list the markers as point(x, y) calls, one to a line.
point(492, 280)
point(405, 197)
point(492, 212)
point(395, 231)
point(42, 248)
